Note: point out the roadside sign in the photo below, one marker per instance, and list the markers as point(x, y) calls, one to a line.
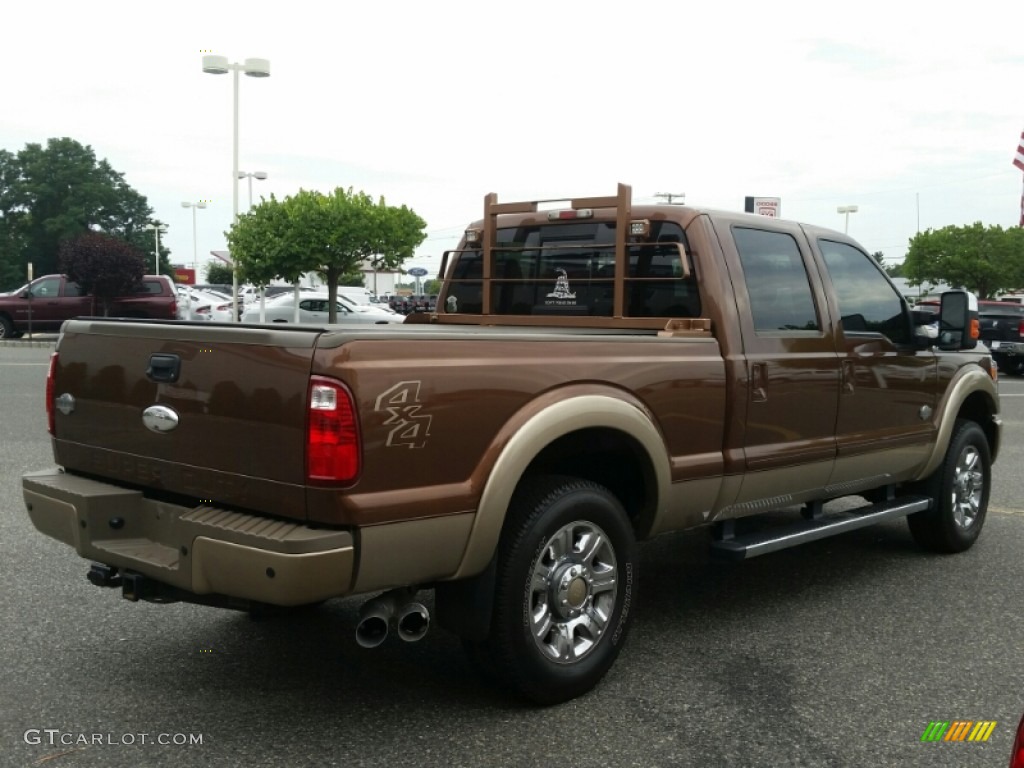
point(764, 206)
point(417, 272)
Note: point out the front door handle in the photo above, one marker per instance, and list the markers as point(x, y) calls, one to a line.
point(758, 377)
point(848, 377)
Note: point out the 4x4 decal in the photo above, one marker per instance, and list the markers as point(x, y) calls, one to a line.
point(401, 403)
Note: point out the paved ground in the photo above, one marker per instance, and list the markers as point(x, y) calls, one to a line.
point(838, 653)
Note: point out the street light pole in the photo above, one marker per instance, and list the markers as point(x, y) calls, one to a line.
point(219, 65)
point(195, 250)
point(669, 195)
point(157, 229)
point(847, 209)
point(261, 175)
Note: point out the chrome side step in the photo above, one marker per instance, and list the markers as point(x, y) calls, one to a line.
point(748, 545)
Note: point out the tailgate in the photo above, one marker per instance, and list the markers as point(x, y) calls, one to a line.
point(237, 394)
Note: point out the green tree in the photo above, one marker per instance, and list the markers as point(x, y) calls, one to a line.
point(218, 274)
point(985, 260)
point(103, 266)
point(12, 267)
point(52, 193)
point(331, 234)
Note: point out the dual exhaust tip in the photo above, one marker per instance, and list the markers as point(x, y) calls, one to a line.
point(410, 619)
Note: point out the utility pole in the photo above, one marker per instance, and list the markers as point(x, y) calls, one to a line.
point(669, 195)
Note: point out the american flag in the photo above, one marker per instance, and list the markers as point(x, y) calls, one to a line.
point(1018, 160)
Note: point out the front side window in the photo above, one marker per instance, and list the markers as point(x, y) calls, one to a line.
point(868, 303)
point(780, 294)
point(48, 286)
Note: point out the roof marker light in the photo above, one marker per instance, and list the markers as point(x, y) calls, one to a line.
point(571, 213)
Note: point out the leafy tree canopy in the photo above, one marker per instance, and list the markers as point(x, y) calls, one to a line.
point(331, 234)
point(985, 260)
point(102, 265)
point(218, 274)
point(53, 193)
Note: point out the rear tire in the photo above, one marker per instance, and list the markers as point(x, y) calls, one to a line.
point(959, 489)
point(565, 582)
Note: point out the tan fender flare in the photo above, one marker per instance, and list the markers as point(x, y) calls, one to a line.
point(968, 380)
point(563, 415)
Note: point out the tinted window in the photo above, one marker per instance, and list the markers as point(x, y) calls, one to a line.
point(48, 286)
point(570, 269)
point(780, 295)
point(154, 287)
point(868, 303)
point(72, 289)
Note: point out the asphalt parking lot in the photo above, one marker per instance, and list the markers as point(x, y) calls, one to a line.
point(838, 653)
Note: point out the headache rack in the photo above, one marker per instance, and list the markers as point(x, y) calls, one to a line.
point(621, 273)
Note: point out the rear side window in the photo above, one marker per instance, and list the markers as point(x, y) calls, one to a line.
point(868, 303)
point(569, 269)
point(780, 294)
point(151, 287)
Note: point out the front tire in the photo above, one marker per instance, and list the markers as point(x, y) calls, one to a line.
point(565, 583)
point(6, 328)
point(959, 489)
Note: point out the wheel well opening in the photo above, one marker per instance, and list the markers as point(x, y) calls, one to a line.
point(979, 409)
point(610, 458)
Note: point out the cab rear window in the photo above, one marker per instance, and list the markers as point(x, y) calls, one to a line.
point(569, 269)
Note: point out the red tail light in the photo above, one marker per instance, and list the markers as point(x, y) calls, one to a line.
point(1017, 755)
point(333, 450)
point(50, 425)
point(1020, 329)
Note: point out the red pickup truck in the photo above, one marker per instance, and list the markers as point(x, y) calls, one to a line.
point(46, 302)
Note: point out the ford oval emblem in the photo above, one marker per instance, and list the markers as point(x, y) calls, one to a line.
point(160, 418)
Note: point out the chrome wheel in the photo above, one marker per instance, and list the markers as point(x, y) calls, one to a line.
point(565, 581)
point(959, 487)
point(968, 487)
point(573, 587)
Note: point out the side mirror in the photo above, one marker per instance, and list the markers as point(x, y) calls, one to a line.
point(958, 321)
point(26, 294)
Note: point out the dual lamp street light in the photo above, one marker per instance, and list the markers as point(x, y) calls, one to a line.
point(157, 230)
point(261, 175)
point(847, 209)
point(195, 257)
point(219, 65)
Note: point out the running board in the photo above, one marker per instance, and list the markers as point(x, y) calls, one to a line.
point(748, 545)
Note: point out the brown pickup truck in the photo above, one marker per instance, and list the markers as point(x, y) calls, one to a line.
point(46, 302)
point(593, 375)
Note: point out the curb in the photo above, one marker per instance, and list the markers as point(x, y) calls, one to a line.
point(39, 343)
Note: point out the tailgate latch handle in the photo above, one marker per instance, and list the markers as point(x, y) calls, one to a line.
point(164, 368)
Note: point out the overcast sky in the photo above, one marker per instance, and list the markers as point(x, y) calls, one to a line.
point(911, 113)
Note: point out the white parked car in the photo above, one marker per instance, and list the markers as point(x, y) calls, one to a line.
point(314, 309)
point(203, 305)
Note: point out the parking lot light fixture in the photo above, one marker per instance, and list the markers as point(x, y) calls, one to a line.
point(195, 251)
point(157, 229)
point(261, 175)
point(219, 65)
point(847, 209)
